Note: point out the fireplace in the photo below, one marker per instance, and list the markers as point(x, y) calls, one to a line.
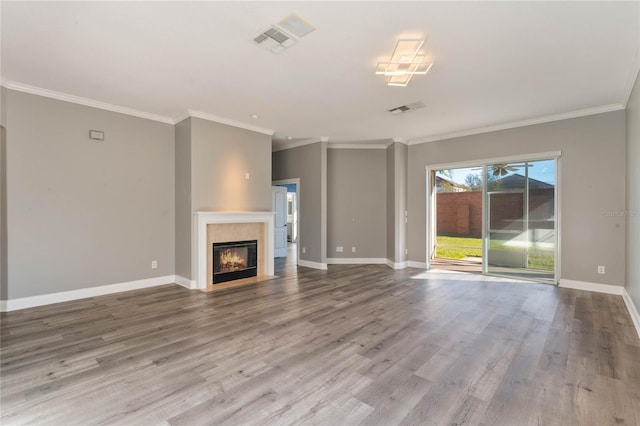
point(234, 260)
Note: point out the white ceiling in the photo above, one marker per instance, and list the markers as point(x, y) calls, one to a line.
point(495, 62)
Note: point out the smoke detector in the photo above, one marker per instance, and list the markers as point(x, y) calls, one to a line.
point(408, 107)
point(284, 34)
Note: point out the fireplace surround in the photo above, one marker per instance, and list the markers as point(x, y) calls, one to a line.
point(210, 227)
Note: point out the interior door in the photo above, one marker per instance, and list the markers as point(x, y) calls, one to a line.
point(279, 206)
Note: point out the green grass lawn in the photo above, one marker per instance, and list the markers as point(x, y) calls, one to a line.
point(458, 247)
point(449, 247)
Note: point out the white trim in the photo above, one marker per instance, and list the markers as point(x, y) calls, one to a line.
point(295, 144)
point(200, 222)
point(182, 117)
point(356, 261)
point(522, 123)
point(12, 85)
point(396, 265)
point(310, 264)
point(229, 122)
point(414, 264)
point(633, 76)
point(633, 311)
point(356, 146)
point(83, 293)
point(185, 282)
point(595, 287)
point(536, 156)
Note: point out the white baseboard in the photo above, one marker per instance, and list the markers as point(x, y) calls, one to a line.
point(414, 264)
point(184, 282)
point(598, 288)
point(310, 264)
point(83, 293)
point(356, 261)
point(396, 265)
point(633, 310)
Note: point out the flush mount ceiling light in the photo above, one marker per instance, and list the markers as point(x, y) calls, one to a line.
point(406, 61)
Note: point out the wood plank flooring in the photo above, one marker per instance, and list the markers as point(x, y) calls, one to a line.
point(353, 345)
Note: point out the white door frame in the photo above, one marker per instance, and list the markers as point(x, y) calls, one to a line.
point(297, 182)
point(431, 205)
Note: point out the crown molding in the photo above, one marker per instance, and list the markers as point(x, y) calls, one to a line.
point(229, 122)
point(633, 76)
point(522, 123)
point(181, 117)
point(296, 144)
point(356, 146)
point(33, 90)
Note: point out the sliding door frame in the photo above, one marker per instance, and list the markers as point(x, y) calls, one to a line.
point(484, 163)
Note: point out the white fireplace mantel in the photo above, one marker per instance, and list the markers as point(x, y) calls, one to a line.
point(202, 219)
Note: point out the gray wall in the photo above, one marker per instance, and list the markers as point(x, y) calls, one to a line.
point(220, 156)
point(211, 160)
point(307, 164)
point(183, 198)
point(3, 216)
point(83, 213)
point(592, 183)
point(356, 203)
point(400, 201)
point(3, 198)
point(396, 201)
point(391, 217)
point(633, 195)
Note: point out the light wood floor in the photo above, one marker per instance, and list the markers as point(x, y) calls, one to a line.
point(352, 345)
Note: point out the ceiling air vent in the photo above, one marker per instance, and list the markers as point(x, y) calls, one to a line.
point(407, 107)
point(284, 34)
point(274, 40)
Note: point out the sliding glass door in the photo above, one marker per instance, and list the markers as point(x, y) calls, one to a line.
point(520, 219)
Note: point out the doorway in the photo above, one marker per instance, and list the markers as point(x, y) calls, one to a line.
point(293, 209)
point(458, 220)
point(514, 200)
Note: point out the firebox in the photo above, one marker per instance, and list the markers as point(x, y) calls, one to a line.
point(234, 260)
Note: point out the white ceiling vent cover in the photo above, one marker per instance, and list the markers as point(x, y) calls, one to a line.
point(274, 39)
point(296, 25)
point(408, 107)
point(284, 34)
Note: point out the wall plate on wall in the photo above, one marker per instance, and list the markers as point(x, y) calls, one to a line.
point(96, 135)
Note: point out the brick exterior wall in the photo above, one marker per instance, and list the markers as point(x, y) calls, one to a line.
point(460, 213)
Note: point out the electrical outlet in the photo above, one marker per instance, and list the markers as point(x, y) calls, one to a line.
point(154, 264)
point(353, 249)
point(601, 270)
point(339, 249)
point(406, 251)
point(304, 249)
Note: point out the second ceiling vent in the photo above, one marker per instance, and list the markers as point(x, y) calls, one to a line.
point(408, 107)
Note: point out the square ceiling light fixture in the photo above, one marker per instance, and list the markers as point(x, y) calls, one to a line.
point(406, 61)
point(284, 34)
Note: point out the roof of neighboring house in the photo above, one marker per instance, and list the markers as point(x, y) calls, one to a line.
point(443, 182)
point(517, 181)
